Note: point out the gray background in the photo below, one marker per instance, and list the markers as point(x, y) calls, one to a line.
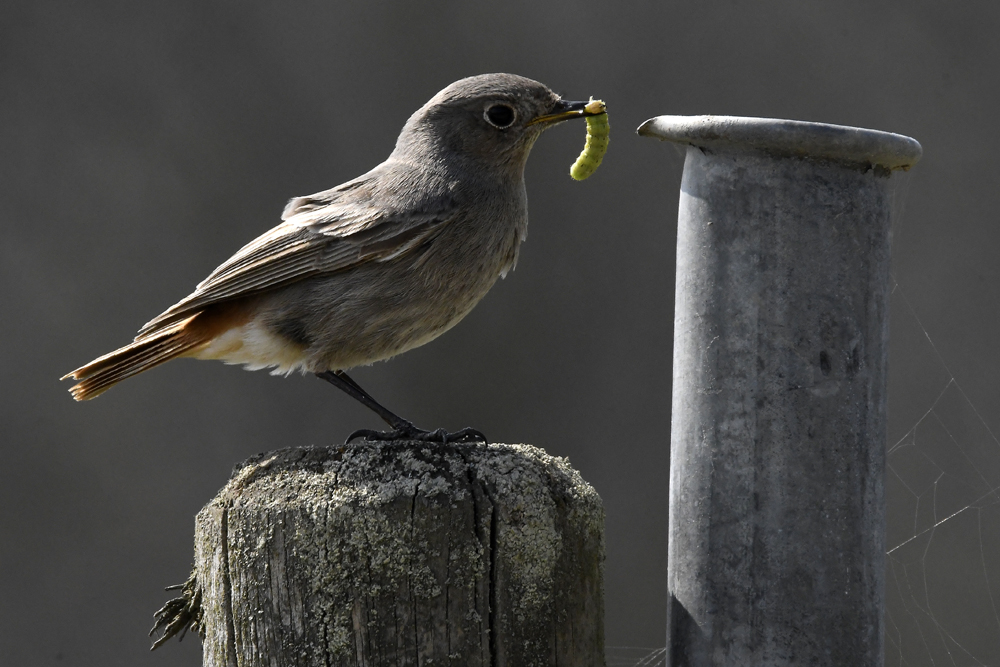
point(141, 143)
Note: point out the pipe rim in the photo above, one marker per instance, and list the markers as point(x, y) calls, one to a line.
point(789, 138)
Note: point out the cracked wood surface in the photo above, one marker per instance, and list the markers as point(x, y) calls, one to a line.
point(402, 554)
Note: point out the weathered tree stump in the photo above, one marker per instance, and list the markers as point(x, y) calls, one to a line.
point(402, 554)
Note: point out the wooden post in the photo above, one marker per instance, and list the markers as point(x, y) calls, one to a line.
point(777, 510)
point(401, 554)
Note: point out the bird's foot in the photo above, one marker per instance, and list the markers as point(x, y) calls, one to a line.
point(411, 432)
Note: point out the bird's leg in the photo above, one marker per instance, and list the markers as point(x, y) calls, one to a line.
point(401, 428)
point(343, 381)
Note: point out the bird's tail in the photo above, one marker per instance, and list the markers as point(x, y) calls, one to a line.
point(144, 353)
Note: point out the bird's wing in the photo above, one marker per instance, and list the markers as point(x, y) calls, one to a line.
point(322, 233)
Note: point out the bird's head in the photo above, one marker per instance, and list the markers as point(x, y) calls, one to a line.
point(486, 122)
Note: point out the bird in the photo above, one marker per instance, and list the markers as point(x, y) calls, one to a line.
point(375, 266)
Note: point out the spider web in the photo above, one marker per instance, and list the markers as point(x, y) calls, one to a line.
point(942, 513)
point(942, 507)
point(943, 532)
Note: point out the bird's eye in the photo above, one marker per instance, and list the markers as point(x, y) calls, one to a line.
point(500, 115)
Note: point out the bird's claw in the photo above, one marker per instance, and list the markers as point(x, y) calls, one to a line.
point(413, 433)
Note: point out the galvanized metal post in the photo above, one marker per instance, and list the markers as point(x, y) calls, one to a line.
point(777, 511)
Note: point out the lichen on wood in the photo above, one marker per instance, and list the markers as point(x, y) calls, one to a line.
point(402, 554)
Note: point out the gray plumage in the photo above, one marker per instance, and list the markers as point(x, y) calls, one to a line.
point(377, 265)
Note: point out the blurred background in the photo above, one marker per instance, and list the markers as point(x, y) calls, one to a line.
point(142, 143)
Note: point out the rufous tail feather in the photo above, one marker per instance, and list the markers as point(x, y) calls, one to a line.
point(146, 352)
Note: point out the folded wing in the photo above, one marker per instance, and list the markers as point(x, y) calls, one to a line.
point(324, 233)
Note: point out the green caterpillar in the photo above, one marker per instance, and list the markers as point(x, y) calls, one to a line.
point(597, 141)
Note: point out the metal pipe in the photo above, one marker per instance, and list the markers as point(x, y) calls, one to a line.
point(777, 507)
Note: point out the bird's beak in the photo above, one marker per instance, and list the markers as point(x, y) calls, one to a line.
point(564, 110)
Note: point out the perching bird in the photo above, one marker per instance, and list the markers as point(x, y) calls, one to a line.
point(374, 267)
